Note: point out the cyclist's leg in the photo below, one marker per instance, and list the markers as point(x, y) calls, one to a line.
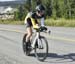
point(29, 34)
point(29, 29)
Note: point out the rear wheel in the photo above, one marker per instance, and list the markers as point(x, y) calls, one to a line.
point(25, 45)
point(41, 49)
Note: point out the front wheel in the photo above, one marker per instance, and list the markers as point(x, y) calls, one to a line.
point(41, 49)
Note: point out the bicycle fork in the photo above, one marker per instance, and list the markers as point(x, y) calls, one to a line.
point(37, 38)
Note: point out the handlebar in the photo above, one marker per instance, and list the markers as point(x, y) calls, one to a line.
point(43, 29)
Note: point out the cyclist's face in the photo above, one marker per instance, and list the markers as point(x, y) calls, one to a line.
point(40, 13)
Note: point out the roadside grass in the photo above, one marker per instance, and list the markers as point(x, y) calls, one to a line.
point(49, 22)
point(61, 22)
point(12, 22)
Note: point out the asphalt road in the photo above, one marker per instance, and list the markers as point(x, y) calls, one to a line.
point(61, 46)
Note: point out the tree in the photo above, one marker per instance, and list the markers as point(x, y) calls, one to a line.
point(33, 4)
point(69, 8)
point(20, 13)
point(72, 5)
point(48, 8)
point(28, 5)
point(54, 8)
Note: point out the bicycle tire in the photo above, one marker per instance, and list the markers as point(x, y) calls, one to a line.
point(38, 55)
point(24, 43)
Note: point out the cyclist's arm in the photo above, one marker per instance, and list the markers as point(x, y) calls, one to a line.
point(42, 21)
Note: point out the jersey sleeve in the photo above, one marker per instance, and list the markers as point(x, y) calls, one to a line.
point(42, 21)
point(28, 15)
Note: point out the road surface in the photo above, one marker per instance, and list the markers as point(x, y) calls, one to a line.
point(61, 46)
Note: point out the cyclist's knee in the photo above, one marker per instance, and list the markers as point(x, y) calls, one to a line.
point(29, 34)
point(29, 31)
point(28, 37)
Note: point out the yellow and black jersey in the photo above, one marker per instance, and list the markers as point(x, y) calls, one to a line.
point(31, 20)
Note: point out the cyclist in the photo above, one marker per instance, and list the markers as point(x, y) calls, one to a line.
point(31, 21)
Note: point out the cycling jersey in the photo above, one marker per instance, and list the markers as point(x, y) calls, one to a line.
point(31, 20)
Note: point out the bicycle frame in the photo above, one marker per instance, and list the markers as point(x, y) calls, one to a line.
point(37, 37)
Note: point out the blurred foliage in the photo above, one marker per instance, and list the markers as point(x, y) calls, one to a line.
point(54, 8)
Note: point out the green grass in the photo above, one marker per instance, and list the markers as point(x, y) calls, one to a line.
point(60, 22)
point(49, 22)
point(12, 22)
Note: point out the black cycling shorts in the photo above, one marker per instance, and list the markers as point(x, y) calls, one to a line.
point(29, 23)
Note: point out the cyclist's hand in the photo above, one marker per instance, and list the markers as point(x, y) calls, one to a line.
point(43, 28)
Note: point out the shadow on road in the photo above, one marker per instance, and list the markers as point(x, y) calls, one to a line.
point(55, 58)
point(61, 58)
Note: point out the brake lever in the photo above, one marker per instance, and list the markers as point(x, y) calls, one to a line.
point(49, 32)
